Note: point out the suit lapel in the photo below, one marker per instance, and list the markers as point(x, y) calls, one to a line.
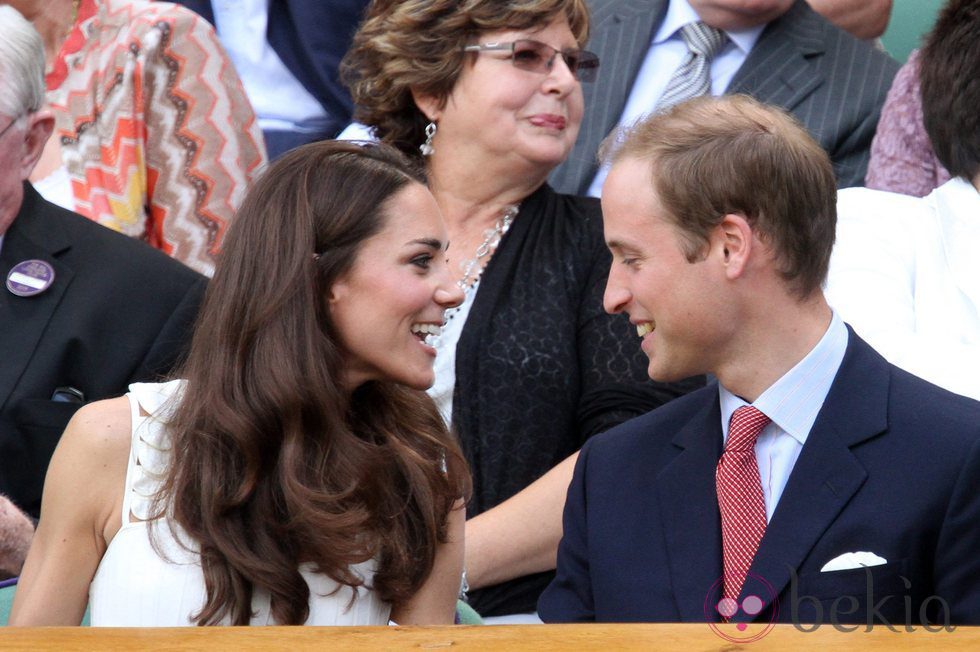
point(33, 234)
point(778, 69)
point(827, 474)
point(689, 504)
point(621, 33)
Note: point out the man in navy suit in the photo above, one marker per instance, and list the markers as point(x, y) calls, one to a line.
point(858, 501)
point(291, 68)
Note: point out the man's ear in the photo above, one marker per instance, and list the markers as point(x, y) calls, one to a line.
point(430, 106)
point(732, 239)
point(39, 128)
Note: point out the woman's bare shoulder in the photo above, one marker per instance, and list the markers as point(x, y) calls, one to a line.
point(102, 427)
point(90, 461)
point(83, 488)
point(80, 513)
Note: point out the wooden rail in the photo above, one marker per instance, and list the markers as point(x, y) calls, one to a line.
point(534, 638)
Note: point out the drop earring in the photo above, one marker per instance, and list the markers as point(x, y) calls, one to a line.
point(426, 147)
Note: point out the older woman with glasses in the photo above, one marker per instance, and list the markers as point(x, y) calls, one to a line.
point(488, 93)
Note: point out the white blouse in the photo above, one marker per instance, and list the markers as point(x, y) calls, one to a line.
point(445, 366)
point(906, 275)
point(56, 188)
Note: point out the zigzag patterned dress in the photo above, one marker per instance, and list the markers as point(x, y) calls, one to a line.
point(156, 132)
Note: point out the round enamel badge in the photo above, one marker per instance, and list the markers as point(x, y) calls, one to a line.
point(30, 277)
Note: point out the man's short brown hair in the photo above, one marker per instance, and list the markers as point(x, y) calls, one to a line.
point(733, 155)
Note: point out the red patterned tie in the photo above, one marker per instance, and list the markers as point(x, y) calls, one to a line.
point(743, 509)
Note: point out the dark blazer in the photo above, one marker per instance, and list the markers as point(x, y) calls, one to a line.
point(891, 466)
point(832, 82)
point(311, 37)
point(118, 312)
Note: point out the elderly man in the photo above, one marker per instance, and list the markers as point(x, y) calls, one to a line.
point(84, 311)
point(813, 481)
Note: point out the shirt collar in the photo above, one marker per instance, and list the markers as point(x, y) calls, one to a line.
point(793, 401)
point(680, 13)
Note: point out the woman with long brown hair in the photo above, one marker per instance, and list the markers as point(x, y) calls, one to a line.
point(297, 473)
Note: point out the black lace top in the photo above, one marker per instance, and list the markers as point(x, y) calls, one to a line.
point(540, 366)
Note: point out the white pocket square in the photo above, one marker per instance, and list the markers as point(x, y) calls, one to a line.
point(853, 560)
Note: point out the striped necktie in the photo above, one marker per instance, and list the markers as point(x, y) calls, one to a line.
point(693, 77)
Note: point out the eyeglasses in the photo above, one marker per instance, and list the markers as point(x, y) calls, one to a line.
point(536, 56)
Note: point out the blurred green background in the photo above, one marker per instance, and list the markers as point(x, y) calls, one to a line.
point(910, 21)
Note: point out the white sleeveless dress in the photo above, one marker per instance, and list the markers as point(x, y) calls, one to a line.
point(135, 587)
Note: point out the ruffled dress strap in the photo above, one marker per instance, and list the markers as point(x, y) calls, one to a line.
point(152, 406)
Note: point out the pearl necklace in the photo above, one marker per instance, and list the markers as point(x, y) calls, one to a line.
point(473, 268)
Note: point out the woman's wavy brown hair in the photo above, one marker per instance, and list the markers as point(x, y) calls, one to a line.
point(418, 44)
point(274, 463)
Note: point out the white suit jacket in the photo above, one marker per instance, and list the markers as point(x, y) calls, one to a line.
point(905, 273)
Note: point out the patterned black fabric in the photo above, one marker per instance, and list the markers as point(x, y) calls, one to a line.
point(540, 366)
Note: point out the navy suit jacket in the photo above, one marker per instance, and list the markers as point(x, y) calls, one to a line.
point(117, 312)
point(832, 82)
point(311, 37)
point(891, 466)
